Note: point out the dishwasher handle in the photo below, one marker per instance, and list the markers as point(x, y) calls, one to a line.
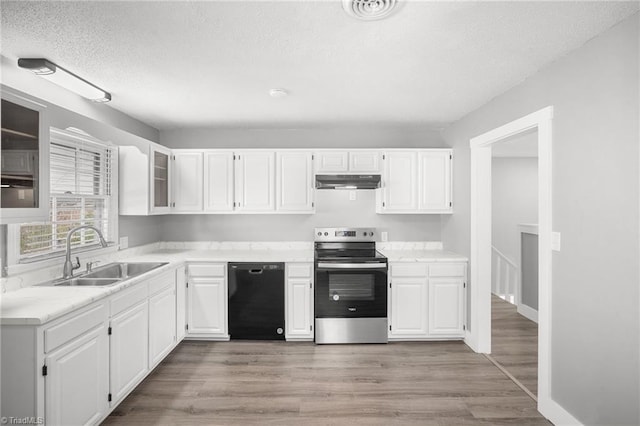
point(256, 271)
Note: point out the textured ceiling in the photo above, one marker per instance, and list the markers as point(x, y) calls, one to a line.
point(182, 64)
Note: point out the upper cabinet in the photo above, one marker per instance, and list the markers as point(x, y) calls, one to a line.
point(187, 180)
point(144, 176)
point(24, 156)
point(435, 181)
point(161, 169)
point(294, 181)
point(336, 162)
point(254, 181)
point(159, 180)
point(218, 181)
point(416, 181)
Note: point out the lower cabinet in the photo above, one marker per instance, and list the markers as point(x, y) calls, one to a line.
point(129, 350)
point(207, 301)
point(427, 300)
point(162, 324)
point(77, 380)
point(299, 301)
point(76, 369)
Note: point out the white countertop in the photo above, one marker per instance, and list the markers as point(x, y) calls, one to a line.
point(36, 305)
point(422, 256)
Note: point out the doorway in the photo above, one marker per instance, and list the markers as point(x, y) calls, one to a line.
point(479, 337)
point(514, 258)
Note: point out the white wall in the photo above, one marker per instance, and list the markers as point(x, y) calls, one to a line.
point(333, 208)
point(596, 161)
point(514, 200)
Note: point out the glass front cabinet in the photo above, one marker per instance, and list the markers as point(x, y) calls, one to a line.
point(160, 180)
point(24, 158)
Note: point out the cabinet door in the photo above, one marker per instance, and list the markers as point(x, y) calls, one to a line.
point(218, 181)
point(400, 179)
point(255, 183)
point(162, 324)
point(181, 303)
point(446, 306)
point(299, 305)
point(24, 164)
point(364, 161)
point(294, 182)
point(77, 381)
point(332, 161)
point(160, 196)
point(187, 181)
point(207, 306)
point(128, 350)
point(408, 307)
point(435, 181)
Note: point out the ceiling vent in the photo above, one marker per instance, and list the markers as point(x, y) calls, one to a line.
point(369, 10)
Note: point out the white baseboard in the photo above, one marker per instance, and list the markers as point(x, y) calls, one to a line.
point(556, 414)
point(528, 312)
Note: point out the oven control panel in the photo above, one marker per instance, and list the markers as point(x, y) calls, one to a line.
point(345, 234)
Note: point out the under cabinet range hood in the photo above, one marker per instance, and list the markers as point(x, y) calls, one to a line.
point(347, 181)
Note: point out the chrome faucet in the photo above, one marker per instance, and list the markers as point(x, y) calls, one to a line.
point(69, 267)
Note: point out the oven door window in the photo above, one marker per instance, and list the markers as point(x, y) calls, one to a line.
point(350, 294)
point(352, 287)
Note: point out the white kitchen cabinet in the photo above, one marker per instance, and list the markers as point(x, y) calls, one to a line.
point(129, 348)
point(399, 183)
point(364, 161)
point(435, 181)
point(188, 181)
point(207, 301)
point(445, 306)
point(332, 162)
point(181, 303)
point(24, 159)
point(294, 182)
point(67, 371)
point(255, 181)
point(77, 381)
point(416, 181)
point(447, 285)
point(162, 323)
point(299, 301)
point(161, 175)
point(144, 180)
point(427, 300)
point(408, 299)
point(218, 181)
point(336, 162)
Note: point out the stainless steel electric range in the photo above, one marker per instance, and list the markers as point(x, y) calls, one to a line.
point(350, 287)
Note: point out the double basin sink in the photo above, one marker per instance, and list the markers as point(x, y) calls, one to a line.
point(110, 274)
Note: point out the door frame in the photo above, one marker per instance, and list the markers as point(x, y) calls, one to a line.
point(479, 337)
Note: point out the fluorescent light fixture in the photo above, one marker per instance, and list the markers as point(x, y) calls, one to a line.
point(60, 76)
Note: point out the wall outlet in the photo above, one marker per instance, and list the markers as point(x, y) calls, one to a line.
point(124, 243)
point(555, 241)
point(352, 195)
point(384, 235)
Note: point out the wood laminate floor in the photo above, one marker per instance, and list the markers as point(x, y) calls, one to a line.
point(279, 383)
point(514, 343)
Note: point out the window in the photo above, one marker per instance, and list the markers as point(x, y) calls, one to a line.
point(81, 182)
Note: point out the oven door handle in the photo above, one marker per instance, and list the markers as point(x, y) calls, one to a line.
point(352, 265)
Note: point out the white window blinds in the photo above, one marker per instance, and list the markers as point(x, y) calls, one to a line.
point(81, 181)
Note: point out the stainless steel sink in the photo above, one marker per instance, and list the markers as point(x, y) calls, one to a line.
point(90, 282)
point(110, 274)
point(124, 270)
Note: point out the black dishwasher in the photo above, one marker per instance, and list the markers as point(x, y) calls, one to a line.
point(256, 301)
